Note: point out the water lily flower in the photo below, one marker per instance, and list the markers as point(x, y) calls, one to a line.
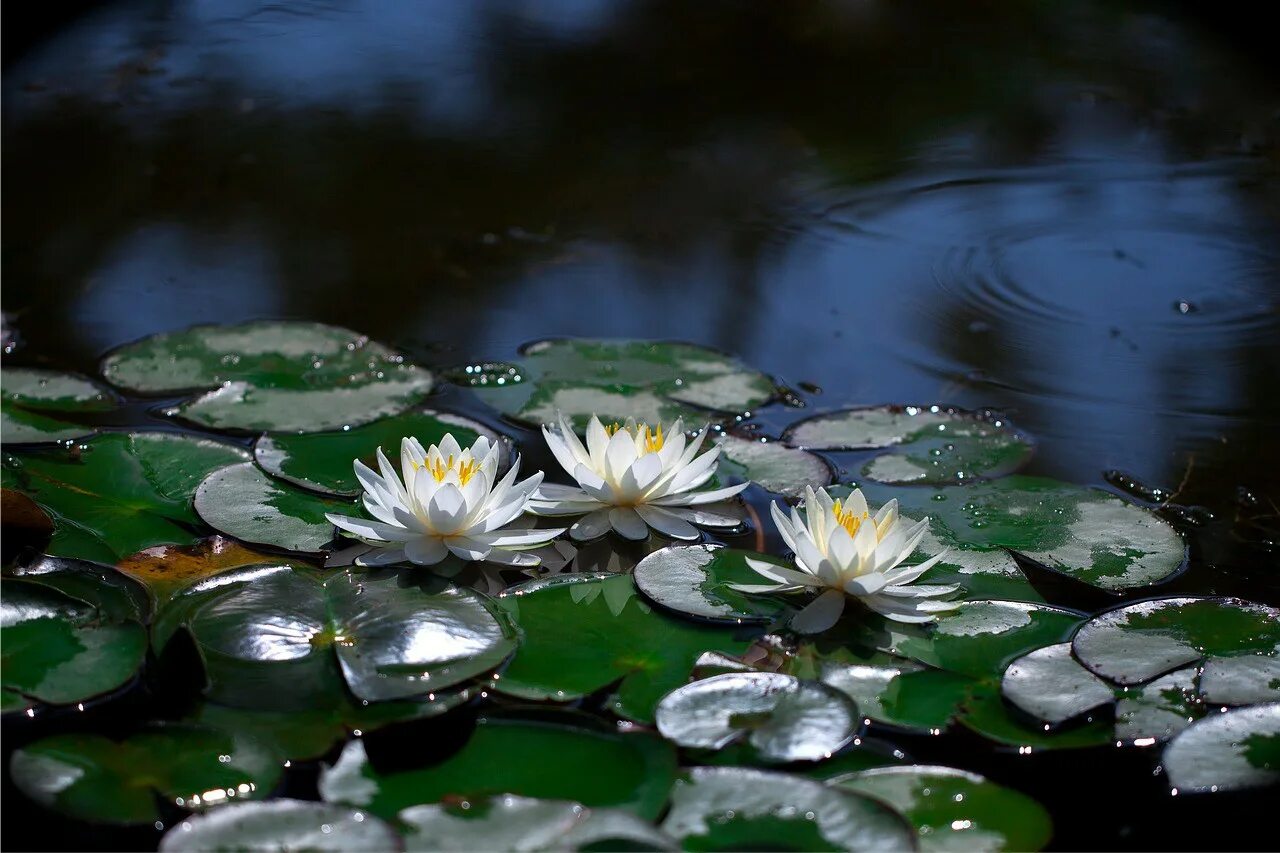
point(447, 503)
point(844, 551)
point(633, 477)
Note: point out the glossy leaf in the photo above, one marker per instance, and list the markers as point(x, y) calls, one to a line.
point(1050, 685)
point(282, 825)
point(20, 426)
point(616, 637)
point(165, 569)
point(243, 502)
point(617, 379)
point(772, 465)
point(986, 713)
point(694, 580)
point(54, 391)
point(922, 444)
point(116, 597)
point(903, 694)
point(1226, 752)
point(574, 759)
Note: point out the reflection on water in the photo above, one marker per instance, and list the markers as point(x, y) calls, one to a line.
point(1066, 213)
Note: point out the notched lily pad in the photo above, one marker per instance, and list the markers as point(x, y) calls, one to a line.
point(772, 465)
point(955, 810)
point(616, 637)
point(781, 717)
point(616, 379)
point(694, 579)
point(92, 778)
point(243, 502)
point(1050, 685)
point(921, 444)
point(727, 808)
point(282, 825)
point(322, 461)
point(1226, 752)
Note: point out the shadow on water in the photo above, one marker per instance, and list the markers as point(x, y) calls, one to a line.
point(1067, 212)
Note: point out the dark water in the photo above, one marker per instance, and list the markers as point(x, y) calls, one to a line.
point(1068, 212)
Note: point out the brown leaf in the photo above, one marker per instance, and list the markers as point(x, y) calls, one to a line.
point(166, 568)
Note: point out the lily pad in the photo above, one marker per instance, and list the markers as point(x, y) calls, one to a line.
point(19, 426)
point(322, 461)
point(389, 637)
point(121, 493)
point(1226, 752)
point(1159, 709)
point(285, 376)
point(282, 825)
point(921, 444)
point(89, 777)
point(1137, 642)
point(54, 391)
point(954, 809)
point(241, 501)
point(1050, 685)
point(781, 717)
point(986, 713)
point(903, 694)
point(59, 650)
point(117, 598)
point(694, 580)
point(619, 379)
point(726, 808)
point(166, 569)
point(615, 637)
point(574, 758)
point(1084, 533)
point(772, 465)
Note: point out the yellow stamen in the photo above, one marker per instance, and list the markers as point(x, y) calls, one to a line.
point(652, 440)
point(846, 519)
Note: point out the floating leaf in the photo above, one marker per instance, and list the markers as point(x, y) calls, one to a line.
point(903, 693)
point(1084, 533)
point(286, 376)
point(243, 502)
point(59, 650)
point(89, 777)
point(615, 637)
point(955, 810)
point(986, 713)
point(282, 825)
point(1159, 709)
point(1050, 685)
point(121, 493)
point(575, 759)
point(781, 717)
point(323, 460)
point(116, 598)
point(694, 579)
point(1226, 752)
point(54, 391)
point(1241, 679)
point(772, 465)
point(619, 379)
point(499, 823)
point(19, 426)
point(922, 444)
point(1136, 642)
point(390, 636)
point(727, 808)
point(165, 569)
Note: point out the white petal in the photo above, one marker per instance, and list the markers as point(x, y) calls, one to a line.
point(921, 590)
point(907, 574)
point(619, 456)
point(627, 523)
point(868, 584)
point(446, 509)
point(696, 498)
point(597, 443)
point(557, 508)
point(560, 450)
point(518, 538)
point(557, 492)
point(667, 523)
point(782, 575)
point(512, 558)
point(592, 484)
point(758, 588)
point(571, 441)
point(425, 551)
point(369, 530)
point(823, 612)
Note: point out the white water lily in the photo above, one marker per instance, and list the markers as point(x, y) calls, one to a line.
point(447, 503)
point(633, 477)
point(844, 551)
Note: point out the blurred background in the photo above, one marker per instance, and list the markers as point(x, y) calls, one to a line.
point(1068, 211)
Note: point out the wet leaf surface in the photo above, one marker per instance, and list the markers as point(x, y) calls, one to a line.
point(772, 465)
point(1226, 752)
point(694, 580)
point(245, 503)
point(282, 825)
point(165, 569)
point(54, 391)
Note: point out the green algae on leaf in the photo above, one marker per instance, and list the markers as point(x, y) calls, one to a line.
point(650, 381)
point(243, 502)
point(780, 717)
point(616, 637)
point(282, 825)
point(89, 777)
point(694, 580)
point(921, 444)
point(121, 492)
point(568, 756)
point(54, 391)
point(955, 810)
point(1226, 752)
point(322, 461)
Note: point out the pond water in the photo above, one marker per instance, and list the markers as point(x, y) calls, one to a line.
point(1064, 213)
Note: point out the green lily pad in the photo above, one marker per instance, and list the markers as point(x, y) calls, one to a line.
point(1241, 679)
point(89, 777)
point(1050, 685)
point(1226, 752)
point(1159, 709)
point(322, 461)
point(19, 426)
point(903, 694)
point(772, 465)
point(615, 636)
point(241, 501)
point(954, 809)
point(282, 825)
point(59, 650)
point(728, 808)
point(781, 717)
point(121, 493)
point(54, 391)
point(619, 379)
point(986, 713)
point(285, 376)
point(575, 758)
point(615, 829)
point(1084, 533)
point(1135, 643)
point(922, 444)
point(383, 634)
point(116, 597)
point(694, 580)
